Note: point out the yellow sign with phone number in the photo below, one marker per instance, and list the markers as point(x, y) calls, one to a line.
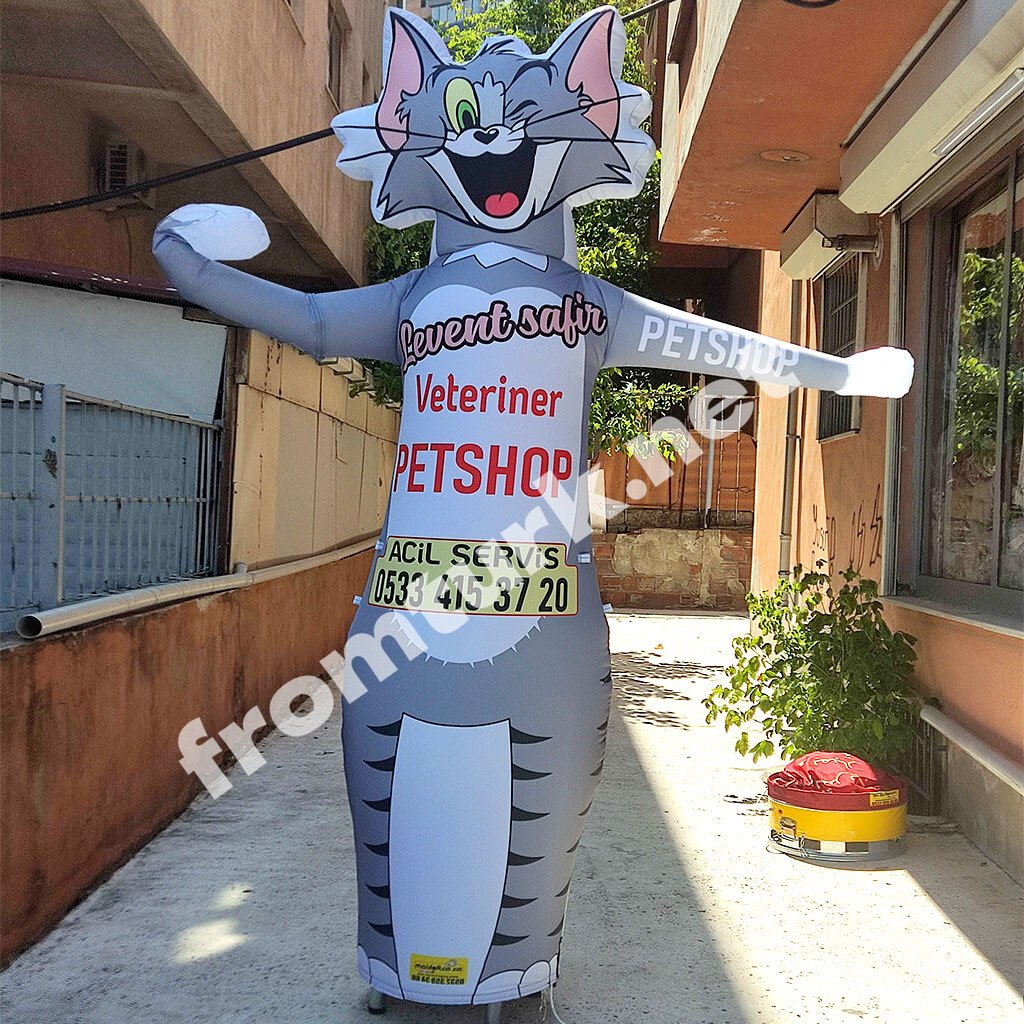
point(470, 577)
point(439, 970)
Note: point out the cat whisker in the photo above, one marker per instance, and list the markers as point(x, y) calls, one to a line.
point(574, 138)
point(617, 98)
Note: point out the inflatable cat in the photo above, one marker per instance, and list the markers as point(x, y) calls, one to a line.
point(472, 766)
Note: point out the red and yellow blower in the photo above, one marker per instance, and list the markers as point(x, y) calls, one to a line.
point(834, 807)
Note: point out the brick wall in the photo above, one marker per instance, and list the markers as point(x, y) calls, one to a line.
point(669, 569)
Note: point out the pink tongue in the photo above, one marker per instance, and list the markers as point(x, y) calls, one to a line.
point(501, 205)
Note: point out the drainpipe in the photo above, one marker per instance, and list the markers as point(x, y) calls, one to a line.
point(792, 444)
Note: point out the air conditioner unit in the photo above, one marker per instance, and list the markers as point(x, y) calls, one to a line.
point(821, 232)
point(123, 164)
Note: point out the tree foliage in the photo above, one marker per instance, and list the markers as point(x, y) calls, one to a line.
point(613, 236)
point(978, 373)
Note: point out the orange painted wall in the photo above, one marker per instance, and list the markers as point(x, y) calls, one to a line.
point(773, 320)
point(89, 724)
point(838, 516)
point(838, 497)
point(976, 673)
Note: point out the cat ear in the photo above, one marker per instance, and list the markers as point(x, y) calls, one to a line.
point(411, 51)
point(589, 53)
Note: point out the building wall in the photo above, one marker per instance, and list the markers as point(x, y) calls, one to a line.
point(775, 306)
point(188, 84)
point(312, 465)
point(281, 92)
point(89, 720)
point(973, 670)
point(89, 725)
point(867, 124)
point(988, 810)
point(839, 518)
point(48, 154)
point(700, 41)
point(674, 569)
point(839, 481)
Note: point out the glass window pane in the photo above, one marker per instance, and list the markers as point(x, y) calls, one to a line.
point(960, 503)
point(1011, 553)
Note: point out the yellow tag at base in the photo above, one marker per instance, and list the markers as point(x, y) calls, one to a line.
point(885, 798)
point(439, 970)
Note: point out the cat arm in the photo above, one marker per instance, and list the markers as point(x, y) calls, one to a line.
point(647, 333)
point(358, 322)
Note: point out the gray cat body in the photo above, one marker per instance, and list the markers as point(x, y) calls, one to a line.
point(473, 758)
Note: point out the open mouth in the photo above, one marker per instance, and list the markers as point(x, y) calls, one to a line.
point(497, 183)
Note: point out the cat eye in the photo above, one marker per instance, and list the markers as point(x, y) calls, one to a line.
point(461, 105)
point(522, 108)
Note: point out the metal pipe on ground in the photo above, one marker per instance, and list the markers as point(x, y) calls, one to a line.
point(82, 613)
point(988, 757)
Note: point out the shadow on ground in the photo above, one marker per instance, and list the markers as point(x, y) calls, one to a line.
point(639, 690)
point(244, 910)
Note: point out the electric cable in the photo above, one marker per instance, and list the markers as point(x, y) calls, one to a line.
point(216, 165)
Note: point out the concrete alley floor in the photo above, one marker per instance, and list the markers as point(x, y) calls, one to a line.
point(242, 910)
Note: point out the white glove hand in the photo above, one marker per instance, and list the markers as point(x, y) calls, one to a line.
point(215, 231)
point(880, 372)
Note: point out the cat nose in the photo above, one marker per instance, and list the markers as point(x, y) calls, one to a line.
point(485, 135)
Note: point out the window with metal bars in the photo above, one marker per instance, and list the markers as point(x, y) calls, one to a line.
point(838, 414)
point(337, 31)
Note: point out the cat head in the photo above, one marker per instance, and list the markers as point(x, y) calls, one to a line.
point(503, 139)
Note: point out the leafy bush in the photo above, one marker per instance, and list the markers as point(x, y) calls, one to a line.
point(825, 672)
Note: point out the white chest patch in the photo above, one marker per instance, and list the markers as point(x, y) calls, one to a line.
point(489, 447)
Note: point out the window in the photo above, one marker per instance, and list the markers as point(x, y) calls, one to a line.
point(840, 333)
point(972, 457)
point(443, 13)
point(337, 30)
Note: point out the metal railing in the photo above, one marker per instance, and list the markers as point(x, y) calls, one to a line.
point(99, 497)
point(840, 293)
point(20, 406)
point(924, 767)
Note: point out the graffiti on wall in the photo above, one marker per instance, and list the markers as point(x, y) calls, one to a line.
point(864, 550)
point(823, 542)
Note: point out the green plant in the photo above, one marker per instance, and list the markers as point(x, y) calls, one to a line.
point(623, 409)
point(824, 672)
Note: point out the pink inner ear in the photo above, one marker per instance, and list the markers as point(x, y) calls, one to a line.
point(591, 68)
point(405, 75)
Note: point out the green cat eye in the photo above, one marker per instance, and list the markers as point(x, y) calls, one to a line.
point(460, 104)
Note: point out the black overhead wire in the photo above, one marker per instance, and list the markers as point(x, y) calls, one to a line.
point(254, 154)
point(168, 179)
